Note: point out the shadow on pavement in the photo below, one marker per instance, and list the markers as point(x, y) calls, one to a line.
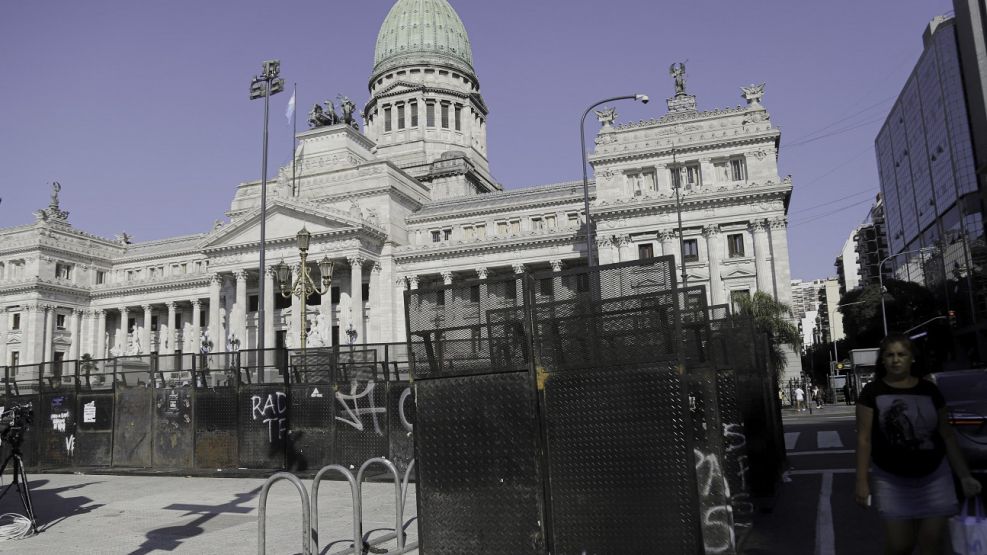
point(169, 538)
point(50, 507)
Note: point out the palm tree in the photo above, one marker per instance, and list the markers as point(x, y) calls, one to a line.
point(771, 317)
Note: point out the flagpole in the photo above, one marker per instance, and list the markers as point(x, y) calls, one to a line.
point(294, 133)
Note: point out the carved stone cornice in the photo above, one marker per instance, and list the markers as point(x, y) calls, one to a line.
point(487, 247)
point(215, 280)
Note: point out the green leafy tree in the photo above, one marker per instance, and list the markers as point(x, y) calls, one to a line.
point(771, 317)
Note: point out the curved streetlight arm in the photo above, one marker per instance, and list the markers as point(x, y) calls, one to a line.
point(643, 98)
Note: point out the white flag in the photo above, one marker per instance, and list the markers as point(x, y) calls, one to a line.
point(290, 111)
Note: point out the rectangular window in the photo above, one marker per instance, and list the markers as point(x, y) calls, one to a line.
point(100, 277)
point(131, 322)
point(281, 302)
point(387, 118)
point(501, 228)
point(582, 283)
point(737, 297)
point(537, 224)
point(400, 116)
point(546, 286)
point(459, 118)
point(440, 297)
point(550, 222)
point(469, 234)
point(481, 231)
point(15, 324)
point(202, 318)
point(253, 303)
point(413, 108)
point(690, 250)
point(184, 268)
point(154, 323)
point(445, 116)
point(738, 169)
point(63, 271)
point(475, 294)
point(178, 320)
point(334, 295)
point(430, 114)
point(515, 226)
point(693, 177)
point(60, 321)
point(130, 275)
point(735, 244)
point(572, 218)
point(675, 173)
point(366, 291)
point(436, 236)
point(15, 358)
point(646, 250)
point(446, 234)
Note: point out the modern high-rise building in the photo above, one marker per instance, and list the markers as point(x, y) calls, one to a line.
point(871, 244)
point(847, 267)
point(928, 173)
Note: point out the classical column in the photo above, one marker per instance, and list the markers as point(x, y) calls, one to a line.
point(557, 280)
point(216, 334)
point(356, 296)
point(519, 289)
point(377, 312)
point(270, 289)
point(623, 245)
point(146, 330)
point(49, 334)
point(781, 273)
point(762, 253)
point(325, 309)
point(29, 337)
point(604, 250)
point(172, 333)
point(238, 324)
point(100, 334)
point(400, 331)
point(446, 277)
point(123, 337)
point(75, 326)
point(196, 328)
point(4, 319)
point(714, 254)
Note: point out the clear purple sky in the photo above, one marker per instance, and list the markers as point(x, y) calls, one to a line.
point(141, 110)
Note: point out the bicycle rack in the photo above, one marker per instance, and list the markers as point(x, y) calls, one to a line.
point(262, 512)
point(310, 514)
point(357, 544)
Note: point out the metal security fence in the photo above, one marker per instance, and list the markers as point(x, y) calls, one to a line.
point(589, 410)
point(247, 409)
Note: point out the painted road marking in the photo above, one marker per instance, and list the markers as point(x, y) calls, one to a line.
point(825, 534)
point(790, 439)
point(827, 452)
point(828, 440)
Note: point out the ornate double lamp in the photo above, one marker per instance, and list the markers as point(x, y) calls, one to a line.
point(303, 285)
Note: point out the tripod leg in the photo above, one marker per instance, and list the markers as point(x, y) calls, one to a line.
point(25, 492)
point(13, 480)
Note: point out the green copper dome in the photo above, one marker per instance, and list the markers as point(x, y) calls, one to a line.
point(422, 31)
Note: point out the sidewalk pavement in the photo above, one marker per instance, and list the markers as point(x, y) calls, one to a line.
point(106, 514)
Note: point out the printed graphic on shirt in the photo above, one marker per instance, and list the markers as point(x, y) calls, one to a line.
point(908, 421)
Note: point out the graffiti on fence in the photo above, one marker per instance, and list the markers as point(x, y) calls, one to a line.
point(355, 411)
point(273, 411)
point(70, 445)
point(717, 523)
point(58, 420)
point(405, 395)
point(735, 441)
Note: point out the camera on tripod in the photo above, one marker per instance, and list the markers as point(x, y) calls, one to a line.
point(14, 420)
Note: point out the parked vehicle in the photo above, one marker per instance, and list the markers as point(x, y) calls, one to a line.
point(966, 402)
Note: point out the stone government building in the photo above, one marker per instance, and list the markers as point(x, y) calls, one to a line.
point(408, 201)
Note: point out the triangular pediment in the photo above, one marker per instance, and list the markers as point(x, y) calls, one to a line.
point(739, 273)
point(696, 276)
point(284, 219)
point(399, 86)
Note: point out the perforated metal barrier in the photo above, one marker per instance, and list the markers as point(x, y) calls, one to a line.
point(588, 410)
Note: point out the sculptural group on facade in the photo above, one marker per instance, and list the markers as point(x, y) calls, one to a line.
point(320, 116)
point(677, 71)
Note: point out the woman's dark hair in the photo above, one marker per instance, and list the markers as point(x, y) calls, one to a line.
point(893, 338)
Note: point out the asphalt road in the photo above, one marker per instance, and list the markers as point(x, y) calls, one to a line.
point(814, 512)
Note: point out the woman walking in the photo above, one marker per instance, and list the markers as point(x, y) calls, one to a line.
point(905, 450)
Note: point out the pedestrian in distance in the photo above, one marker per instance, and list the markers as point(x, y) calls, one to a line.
point(905, 451)
point(799, 399)
point(846, 394)
point(817, 396)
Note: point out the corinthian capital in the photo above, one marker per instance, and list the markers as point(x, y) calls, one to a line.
point(711, 230)
point(667, 235)
point(356, 261)
point(757, 226)
point(778, 223)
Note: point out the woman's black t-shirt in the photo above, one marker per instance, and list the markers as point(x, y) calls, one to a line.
point(905, 434)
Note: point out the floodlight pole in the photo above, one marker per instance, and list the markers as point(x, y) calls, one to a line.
point(643, 98)
point(880, 281)
point(263, 86)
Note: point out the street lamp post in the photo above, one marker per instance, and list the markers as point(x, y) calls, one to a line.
point(303, 285)
point(642, 98)
point(263, 86)
point(880, 281)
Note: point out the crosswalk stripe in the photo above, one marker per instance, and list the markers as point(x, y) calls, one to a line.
point(790, 439)
point(828, 440)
